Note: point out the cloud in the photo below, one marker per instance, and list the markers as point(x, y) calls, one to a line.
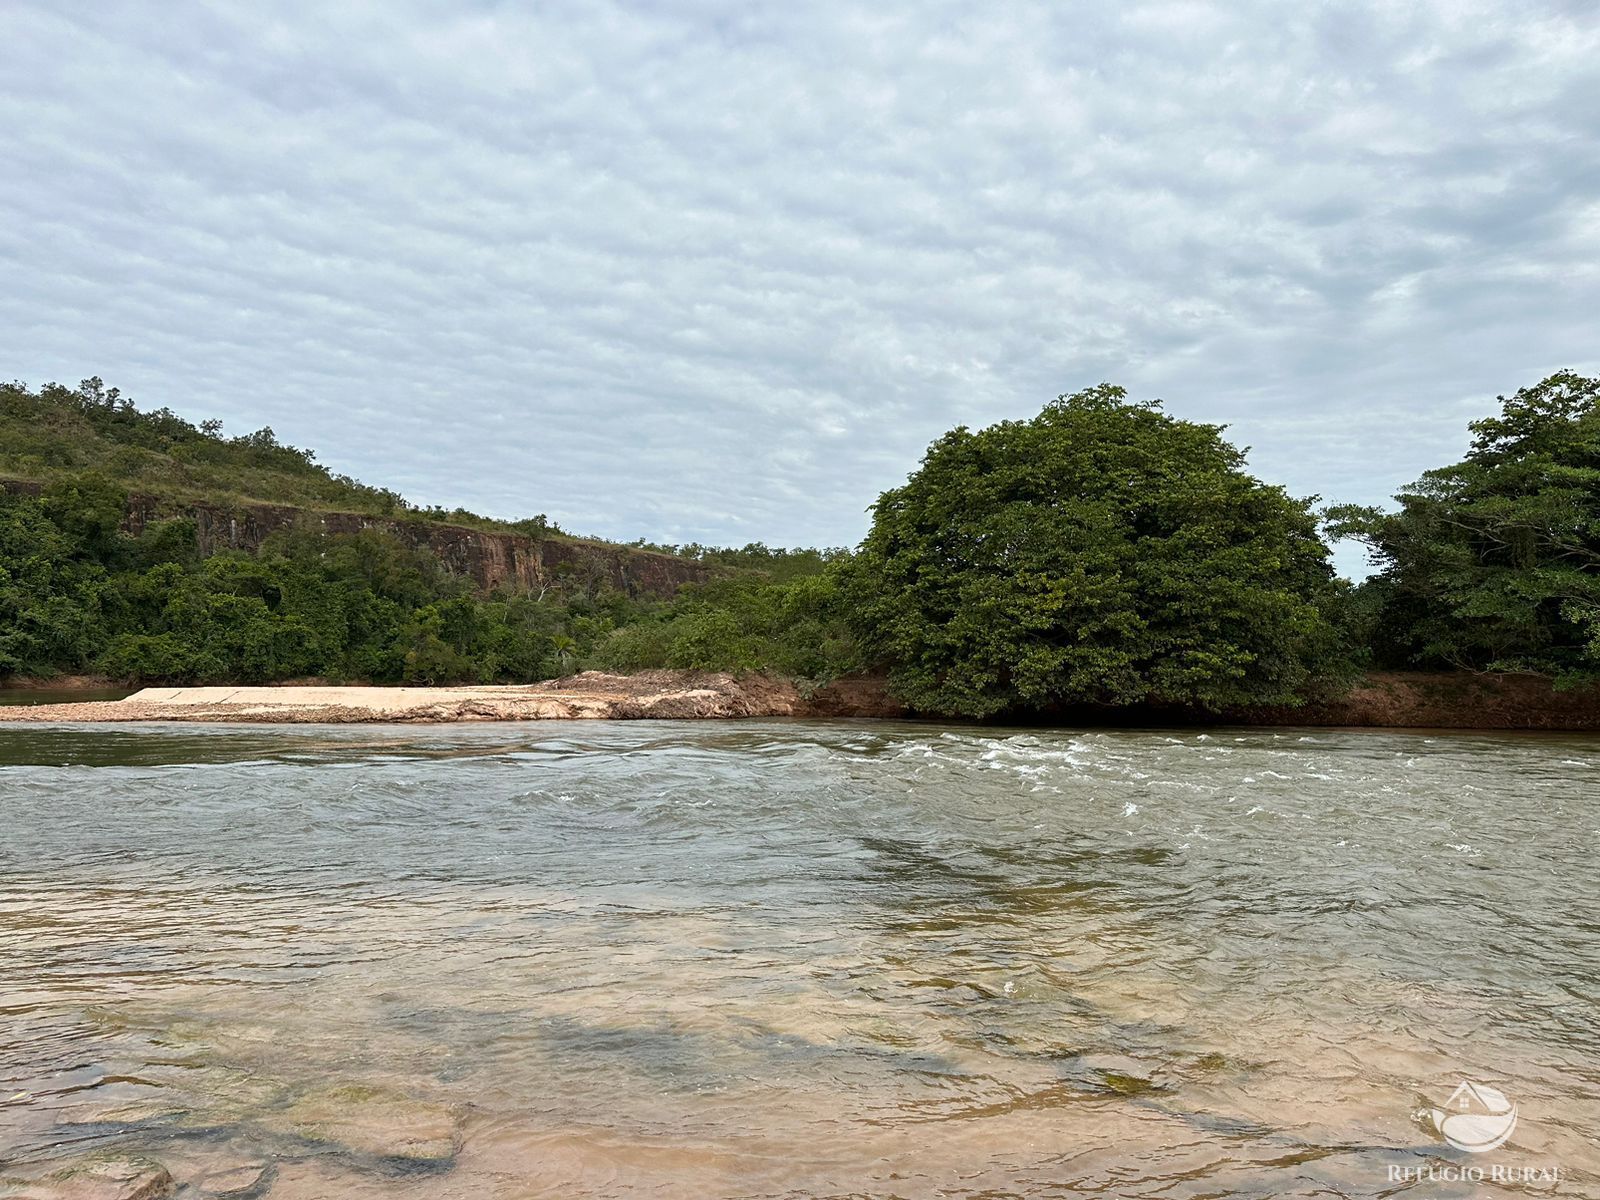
point(721, 271)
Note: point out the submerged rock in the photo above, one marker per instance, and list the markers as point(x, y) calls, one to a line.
point(376, 1122)
point(237, 1181)
point(1119, 1075)
point(1129, 1085)
point(98, 1177)
point(190, 1099)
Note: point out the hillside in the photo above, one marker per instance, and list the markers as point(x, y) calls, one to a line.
point(240, 490)
point(58, 431)
point(141, 546)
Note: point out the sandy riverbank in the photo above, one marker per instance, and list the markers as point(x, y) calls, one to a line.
point(593, 695)
point(1386, 700)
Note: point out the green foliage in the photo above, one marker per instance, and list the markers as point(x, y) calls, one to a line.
point(1101, 553)
point(95, 431)
point(745, 623)
point(88, 509)
point(79, 594)
point(711, 640)
point(1493, 563)
point(637, 647)
point(50, 588)
point(775, 565)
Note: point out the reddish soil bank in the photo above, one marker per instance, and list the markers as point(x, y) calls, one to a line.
point(1445, 700)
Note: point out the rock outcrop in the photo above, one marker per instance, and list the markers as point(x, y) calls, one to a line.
point(492, 560)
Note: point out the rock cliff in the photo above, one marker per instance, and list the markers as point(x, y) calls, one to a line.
point(492, 560)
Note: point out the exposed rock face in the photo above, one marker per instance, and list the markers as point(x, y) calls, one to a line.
point(97, 1177)
point(492, 560)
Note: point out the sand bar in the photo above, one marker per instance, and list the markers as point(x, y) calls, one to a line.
point(592, 695)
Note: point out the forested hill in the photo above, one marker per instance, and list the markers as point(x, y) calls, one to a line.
point(140, 545)
point(241, 490)
point(59, 431)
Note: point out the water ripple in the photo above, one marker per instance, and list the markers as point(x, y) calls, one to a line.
point(794, 958)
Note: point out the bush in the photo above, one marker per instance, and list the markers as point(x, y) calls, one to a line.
point(641, 647)
point(711, 640)
point(1102, 553)
point(1493, 563)
point(151, 658)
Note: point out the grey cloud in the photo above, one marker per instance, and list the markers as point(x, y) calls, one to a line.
point(721, 271)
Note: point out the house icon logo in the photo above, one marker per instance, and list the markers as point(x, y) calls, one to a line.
point(1477, 1118)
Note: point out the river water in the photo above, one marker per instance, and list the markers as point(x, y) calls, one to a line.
point(776, 958)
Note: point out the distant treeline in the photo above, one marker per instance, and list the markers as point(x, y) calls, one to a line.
point(1101, 553)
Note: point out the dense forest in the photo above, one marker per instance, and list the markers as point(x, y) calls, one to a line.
point(78, 594)
point(1101, 553)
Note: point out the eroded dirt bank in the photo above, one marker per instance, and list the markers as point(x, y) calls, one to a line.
point(1446, 700)
point(1393, 700)
point(591, 695)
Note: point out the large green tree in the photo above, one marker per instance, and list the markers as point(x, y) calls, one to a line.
point(1102, 553)
point(1493, 563)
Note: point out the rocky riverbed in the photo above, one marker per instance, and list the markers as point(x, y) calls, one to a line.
point(377, 1132)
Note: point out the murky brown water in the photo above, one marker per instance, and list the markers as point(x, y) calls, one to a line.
point(798, 959)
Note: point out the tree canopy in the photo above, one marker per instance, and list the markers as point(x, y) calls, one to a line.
point(1493, 563)
point(79, 594)
point(1102, 553)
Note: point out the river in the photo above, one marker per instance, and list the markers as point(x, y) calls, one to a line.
point(775, 958)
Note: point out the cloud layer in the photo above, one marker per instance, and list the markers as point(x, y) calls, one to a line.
point(721, 271)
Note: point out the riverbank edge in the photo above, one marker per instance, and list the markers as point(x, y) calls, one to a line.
point(592, 695)
point(1388, 700)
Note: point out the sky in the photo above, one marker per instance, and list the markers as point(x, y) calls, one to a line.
point(720, 272)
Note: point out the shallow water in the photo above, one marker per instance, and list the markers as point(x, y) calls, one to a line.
point(51, 695)
point(802, 959)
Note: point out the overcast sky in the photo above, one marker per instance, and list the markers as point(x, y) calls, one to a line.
point(720, 271)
